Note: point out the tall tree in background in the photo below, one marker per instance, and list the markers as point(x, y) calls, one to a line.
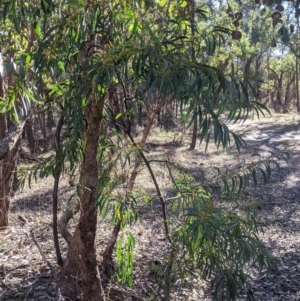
point(12, 104)
point(267, 33)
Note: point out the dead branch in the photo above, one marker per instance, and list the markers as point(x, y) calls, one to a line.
point(42, 254)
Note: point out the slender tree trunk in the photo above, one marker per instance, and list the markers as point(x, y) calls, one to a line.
point(288, 94)
point(194, 135)
point(279, 90)
point(43, 129)
point(297, 85)
point(297, 74)
point(247, 70)
point(258, 63)
point(81, 257)
point(57, 173)
point(4, 201)
point(2, 126)
point(50, 119)
point(2, 116)
point(30, 135)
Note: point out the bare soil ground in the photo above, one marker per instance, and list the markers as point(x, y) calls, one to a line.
point(24, 275)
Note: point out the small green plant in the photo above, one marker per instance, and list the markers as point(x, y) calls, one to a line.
point(125, 258)
point(213, 243)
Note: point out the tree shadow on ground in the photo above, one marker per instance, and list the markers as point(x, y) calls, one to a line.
point(31, 284)
point(152, 244)
point(283, 283)
point(39, 201)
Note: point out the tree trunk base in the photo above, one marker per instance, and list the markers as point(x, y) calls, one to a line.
point(4, 212)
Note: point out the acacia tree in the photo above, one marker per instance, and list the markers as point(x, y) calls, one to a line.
point(83, 50)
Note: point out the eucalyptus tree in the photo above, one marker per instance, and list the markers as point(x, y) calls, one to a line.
point(266, 33)
point(83, 50)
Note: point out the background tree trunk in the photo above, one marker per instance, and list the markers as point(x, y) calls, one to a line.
point(2, 116)
point(8, 149)
point(2, 126)
point(42, 122)
point(194, 135)
point(30, 135)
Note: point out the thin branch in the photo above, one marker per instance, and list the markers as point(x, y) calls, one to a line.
point(28, 292)
point(161, 198)
point(171, 175)
point(41, 252)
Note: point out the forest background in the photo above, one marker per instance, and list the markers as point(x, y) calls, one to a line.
point(85, 88)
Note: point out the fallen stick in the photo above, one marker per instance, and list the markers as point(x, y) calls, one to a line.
point(28, 292)
point(42, 254)
point(60, 298)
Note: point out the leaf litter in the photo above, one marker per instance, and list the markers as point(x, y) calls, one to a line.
point(24, 275)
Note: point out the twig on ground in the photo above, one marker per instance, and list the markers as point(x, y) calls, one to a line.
point(4, 274)
point(28, 292)
point(42, 254)
point(4, 238)
point(51, 298)
point(29, 285)
point(59, 296)
point(102, 290)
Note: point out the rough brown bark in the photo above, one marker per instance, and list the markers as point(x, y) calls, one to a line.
point(30, 135)
point(2, 126)
point(81, 257)
point(8, 149)
point(72, 209)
